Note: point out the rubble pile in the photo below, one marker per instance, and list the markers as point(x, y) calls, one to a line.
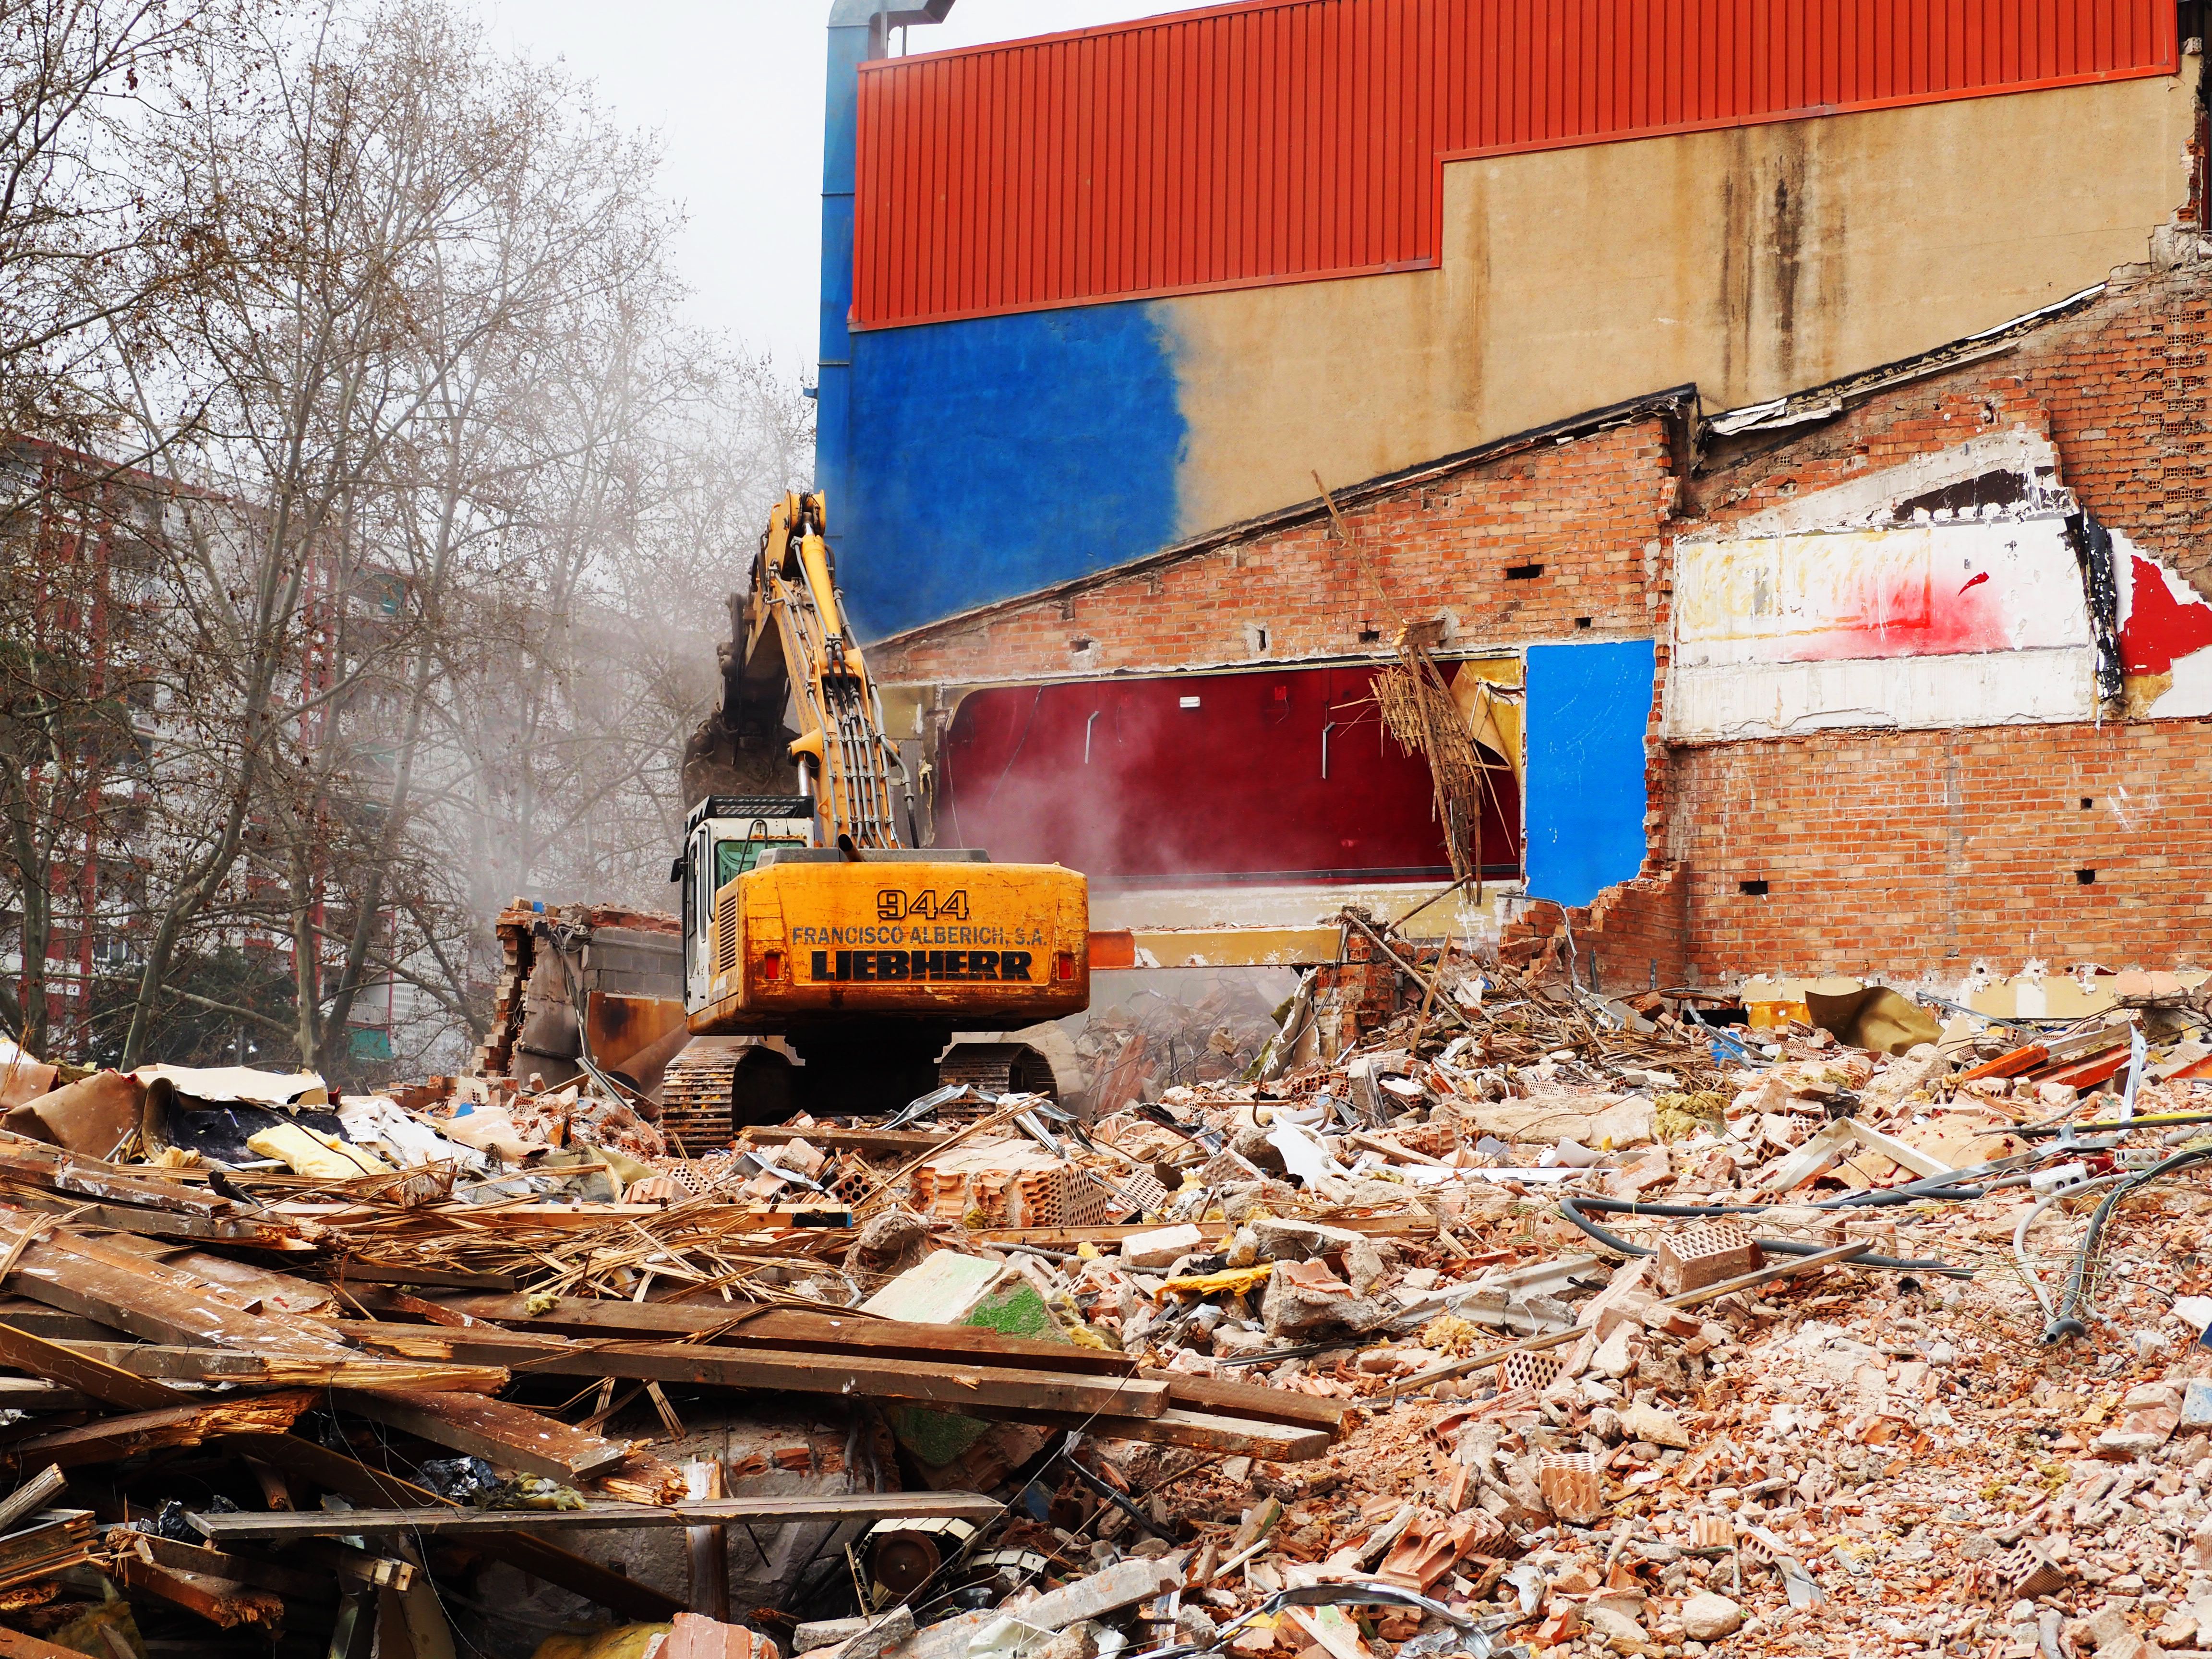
point(1533, 1322)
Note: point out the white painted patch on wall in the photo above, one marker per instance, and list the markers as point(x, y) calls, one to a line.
point(1931, 589)
point(1772, 700)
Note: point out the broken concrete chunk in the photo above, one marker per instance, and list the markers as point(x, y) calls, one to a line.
point(695, 1637)
point(1707, 1617)
point(1650, 1423)
point(1278, 1240)
point(1304, 1299)
point(1121, 1585)
point(1163, 1247)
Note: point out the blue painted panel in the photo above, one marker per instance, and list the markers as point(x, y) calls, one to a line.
point(993, 457)
point(1589, 706)
point(848, 47)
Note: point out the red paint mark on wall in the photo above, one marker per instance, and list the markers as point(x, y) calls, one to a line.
point(2159, 627)
point(1903, 613)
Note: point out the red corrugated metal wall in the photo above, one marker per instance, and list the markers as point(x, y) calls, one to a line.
point(1285, 140)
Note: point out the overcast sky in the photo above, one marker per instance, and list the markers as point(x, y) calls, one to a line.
point(734, 88)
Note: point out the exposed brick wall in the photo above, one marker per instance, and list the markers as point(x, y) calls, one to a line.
point(1913, 852)
point(1589, 511)
point(1884, 852)
point(1922, 852)
point(1631, 938)
point(2118, 387)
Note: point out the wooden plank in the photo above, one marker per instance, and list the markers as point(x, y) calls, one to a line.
point(587, 1217)
point(25, 1314)
point(152, 1300)
point(33, 1495)
point(1220, 1397)
point(13, 1644)
point(245, 1286)
point(110, 1439)
point(788, 1371)
point(35, 1394)
point(224, 1602)
point(233, 1525)
point(280, 1370)
point(726, 1324)
point(507, 1435)
point(255, 1570)
point(93, 1177)
point(1238, 1436)
point(162, 1224)
point(87, 1373)
point(349, 1271)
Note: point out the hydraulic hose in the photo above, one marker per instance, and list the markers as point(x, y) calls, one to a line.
point(1572, 1209)
point(2069, 1321)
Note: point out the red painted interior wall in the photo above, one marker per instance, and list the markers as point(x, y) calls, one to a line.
point(1117, 779)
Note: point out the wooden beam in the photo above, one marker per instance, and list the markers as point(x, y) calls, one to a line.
point(223, 1603)
point(760, 1324)
point(333, 1471)
point(507, 1435)
point(33, 1495)
point(349, 1370)
point(13, 1644)
point(1223, 1398)
point(234, 1525)
point(258, 1570)
point(1236, 1436)
point(152, 1300)
point(948, 1384)
point(109, 1439)
point(87, 1373)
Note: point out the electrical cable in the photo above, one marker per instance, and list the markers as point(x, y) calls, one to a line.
point(1570, 1207)
point(2020, 1233)
point(2067, 1322)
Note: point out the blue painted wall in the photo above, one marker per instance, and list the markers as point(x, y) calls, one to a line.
point(849, 36)
point(1587, 708)
point(996, 456)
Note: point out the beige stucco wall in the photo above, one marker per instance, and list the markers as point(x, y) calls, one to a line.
point(1754, 261)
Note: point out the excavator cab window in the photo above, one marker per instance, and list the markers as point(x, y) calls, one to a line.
point(733, 858)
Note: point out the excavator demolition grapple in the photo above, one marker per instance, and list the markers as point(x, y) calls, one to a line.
point(811, 921)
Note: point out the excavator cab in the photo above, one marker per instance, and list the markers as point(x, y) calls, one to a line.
point(725, 836)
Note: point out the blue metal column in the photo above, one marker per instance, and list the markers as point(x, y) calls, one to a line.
point(858, 29)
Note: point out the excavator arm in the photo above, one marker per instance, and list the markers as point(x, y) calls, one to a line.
point(797, 644)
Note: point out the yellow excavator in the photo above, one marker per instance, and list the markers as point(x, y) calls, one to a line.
point(811, 916)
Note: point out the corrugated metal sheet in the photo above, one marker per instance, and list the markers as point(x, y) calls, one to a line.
point(1287, 140)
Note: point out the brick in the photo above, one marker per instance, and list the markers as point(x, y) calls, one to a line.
point(1572, 1486)
point(1701, 1252)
